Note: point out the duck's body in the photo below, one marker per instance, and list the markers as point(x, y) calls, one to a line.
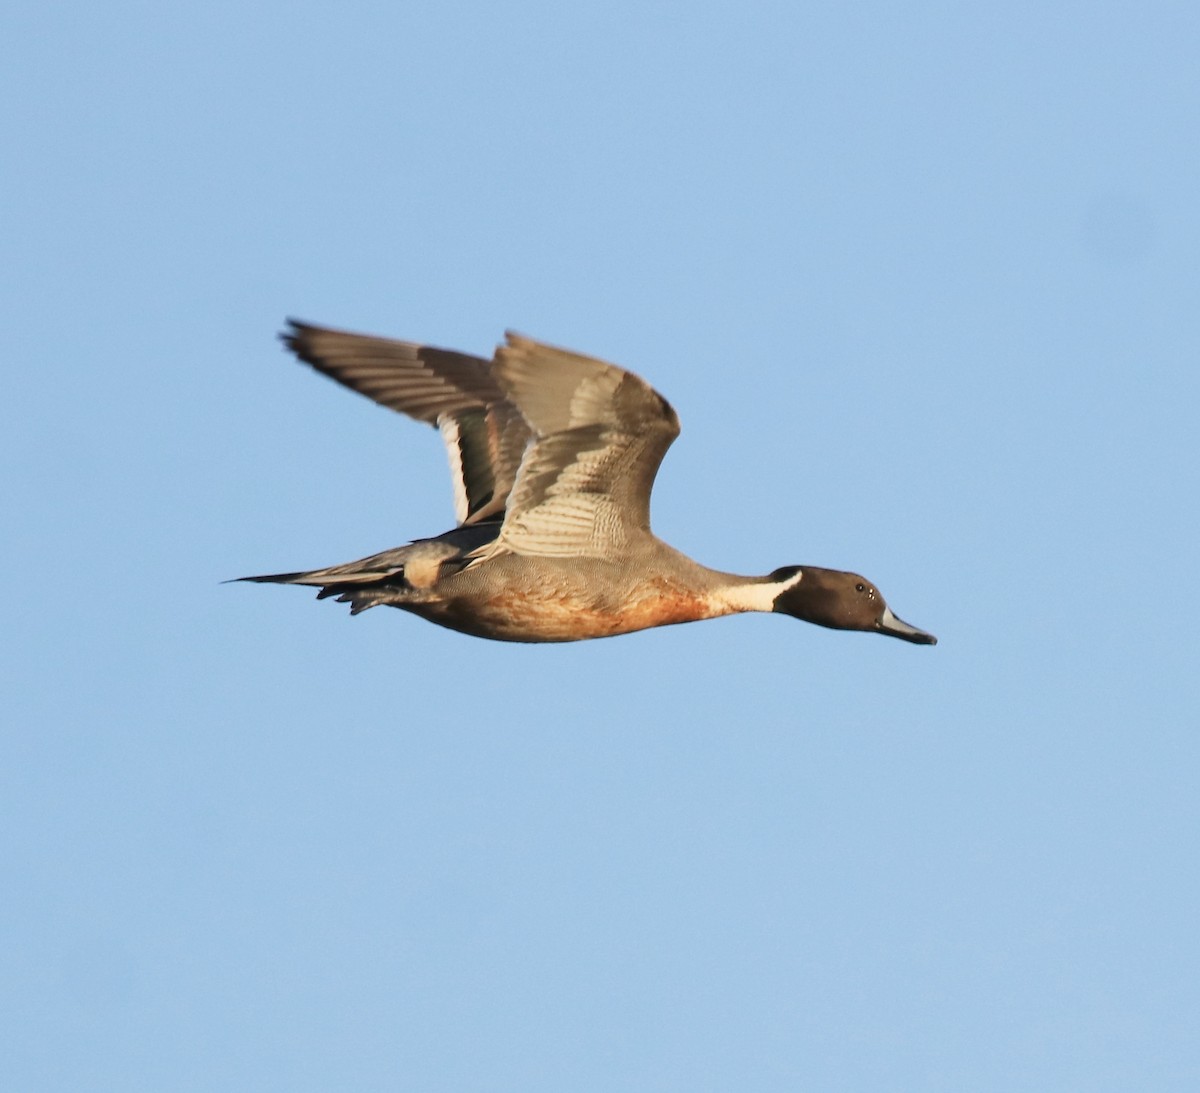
point(554, 456)
point(559, 599)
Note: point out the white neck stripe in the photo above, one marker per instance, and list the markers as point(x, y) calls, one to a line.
point(759, 596)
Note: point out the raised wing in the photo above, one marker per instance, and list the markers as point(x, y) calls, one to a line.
point(485, 435)
point(600, 434)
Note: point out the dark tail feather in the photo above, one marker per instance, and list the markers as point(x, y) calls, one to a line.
point(360, 598)
point(370, 590)
point(278, 578)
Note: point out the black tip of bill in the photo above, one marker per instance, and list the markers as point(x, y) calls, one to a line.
point(898, 628)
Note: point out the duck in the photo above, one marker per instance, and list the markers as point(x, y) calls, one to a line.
point(553, 457)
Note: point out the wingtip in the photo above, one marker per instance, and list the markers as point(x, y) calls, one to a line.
point(294, 330)
point(514, 339)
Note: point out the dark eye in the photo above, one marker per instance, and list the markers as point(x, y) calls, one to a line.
point(860, 587)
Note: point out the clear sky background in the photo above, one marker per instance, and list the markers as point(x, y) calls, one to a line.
point(922, 282)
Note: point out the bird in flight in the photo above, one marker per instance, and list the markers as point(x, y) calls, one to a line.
point(553, 457)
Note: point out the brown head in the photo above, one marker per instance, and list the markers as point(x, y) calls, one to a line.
point(841, 601)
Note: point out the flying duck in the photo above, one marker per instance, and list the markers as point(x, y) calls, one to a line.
point(553, 457)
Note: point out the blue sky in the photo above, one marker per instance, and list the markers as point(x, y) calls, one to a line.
point(921, 281)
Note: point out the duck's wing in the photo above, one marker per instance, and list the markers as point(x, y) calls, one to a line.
point(484, 433)
point(600, 433)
